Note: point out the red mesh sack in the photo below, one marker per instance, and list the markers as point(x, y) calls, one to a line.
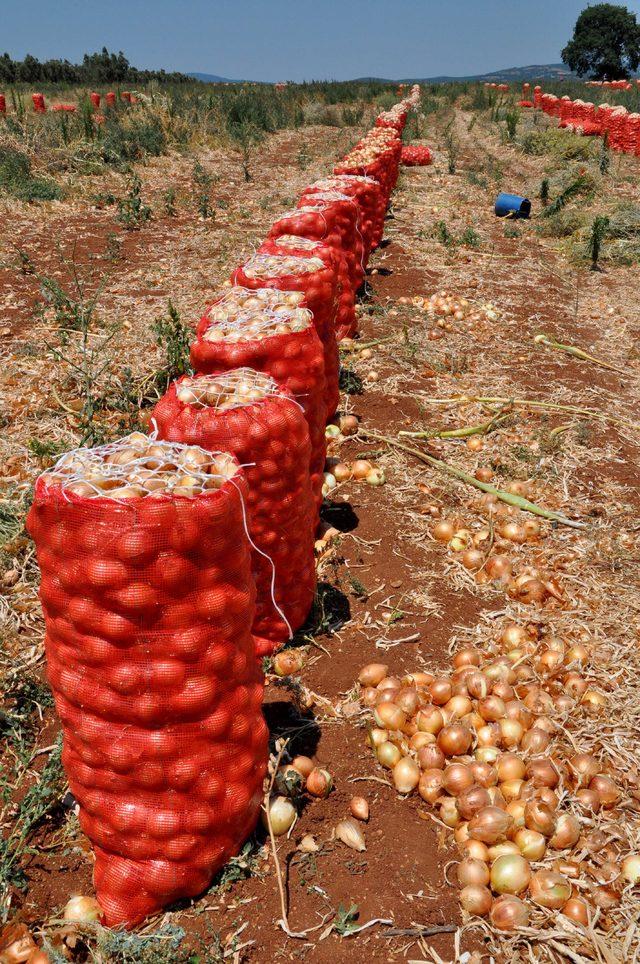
point(415, 155)
point(311, 222)
point(343, 213)
point(317, 278)
point(148, 601)
point(95, 100)
point(3, 104)
point(229, 336)
point(39, 105)
point(110, 98)
point(244, 412)
point(395, 118)
point(367, 194)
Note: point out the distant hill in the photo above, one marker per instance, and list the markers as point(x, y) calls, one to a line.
point(506, 76)
point(213, 79)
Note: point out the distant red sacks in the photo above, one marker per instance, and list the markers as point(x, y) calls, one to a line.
point(320, 297)
point(148, 608)
point(415, 155)
point(270, 439)
point(295, 360)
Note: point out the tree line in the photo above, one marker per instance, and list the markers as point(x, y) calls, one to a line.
point(98, 68)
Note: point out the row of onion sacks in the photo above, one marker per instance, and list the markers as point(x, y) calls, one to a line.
point(149, 600)
point(246, 413)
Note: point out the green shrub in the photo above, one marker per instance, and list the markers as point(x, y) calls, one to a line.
point(17, 181)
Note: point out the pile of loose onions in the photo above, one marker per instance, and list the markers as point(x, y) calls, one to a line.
point(292, 780)
point(360, 470)
point(488, 552)
point(447, 307)
point(480, 745)
point(241, 315)
point(138, 466)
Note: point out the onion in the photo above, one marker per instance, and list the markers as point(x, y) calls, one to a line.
point(390, 715)
point(513, 532)
point(477, 685)
point(282, 815)
point(535, 740)
point(466, 657)
point(488, 735)
point(511, 732)
point(516, 809)
point(406, 775)
point(538, 816)
point(605, 897)
point(472, 800)
point(513, 635)
point(457, 778)
point(472, 559)
point(511, 789)
point(473, 872)
point(388, 755)
point(631, 869)
point(594, 701)
point(83, 909)
point(499, 567)
point(475, 849)
point(441, 690)
point(373, 673)
point(484, 774)
point(419, 740)
point(457, 707)
point(490, 825)
point(506, 847)
point(510, 767)
point(454, 739)
point(549, 889)
point(287, 662)
point(542, 772)
point(319, 783)
point(430, 720)
point(377, 736)
point(577, 910)
point(461, 832)
point(431, 757)
point(359, 808)
point(567, 832)
point(449, 812)
point(475, 900)
point(491, 709)
point(531, 844)
point(407, 700)
point(583, 767)
point(607, 790)
point(589, 800)
point(508, 913)
point(360, 469)
point(430, 785)
point(504, 691)
point(510, 874)
point(487, 754)
point(443, 531)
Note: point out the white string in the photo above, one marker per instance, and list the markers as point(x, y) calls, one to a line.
point(265, 556)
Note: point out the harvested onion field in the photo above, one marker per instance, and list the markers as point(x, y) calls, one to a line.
point(490, 548)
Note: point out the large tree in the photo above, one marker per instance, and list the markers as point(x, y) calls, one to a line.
point(605, 44)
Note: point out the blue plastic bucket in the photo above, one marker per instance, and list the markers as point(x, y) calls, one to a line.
point(512, 205)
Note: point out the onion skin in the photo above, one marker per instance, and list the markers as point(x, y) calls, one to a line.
point(430, 786)
point(567, 832)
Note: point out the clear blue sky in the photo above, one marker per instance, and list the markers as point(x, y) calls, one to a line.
point(298, 39)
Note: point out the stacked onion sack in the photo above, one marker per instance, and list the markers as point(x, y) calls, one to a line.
point(416, 155)
point(336, 226)
point(148, 600)
point(394, 118)
point(377, 155)
point(539, 825)
point(246, 413)
point(367, 194)
point(314, 273)
point(270, 331)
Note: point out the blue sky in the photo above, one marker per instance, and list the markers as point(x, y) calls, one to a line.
point(299, 39)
